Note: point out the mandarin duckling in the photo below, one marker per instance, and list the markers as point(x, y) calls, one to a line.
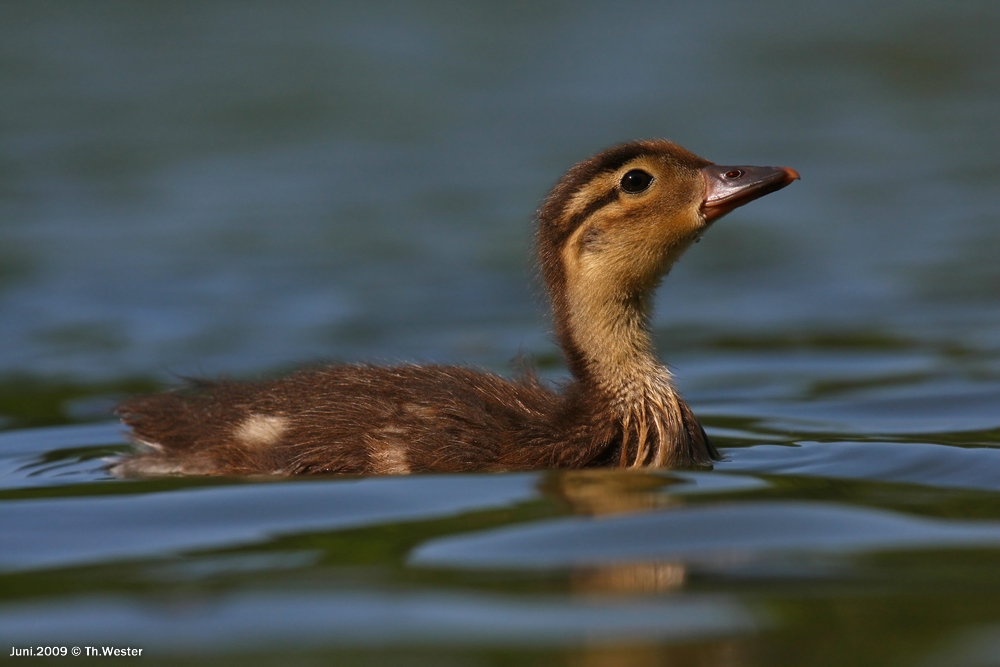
point(607, 233)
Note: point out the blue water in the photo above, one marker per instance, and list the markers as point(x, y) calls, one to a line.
point(237, 188)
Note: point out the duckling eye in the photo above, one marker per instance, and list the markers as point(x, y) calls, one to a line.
point(734, 173)
point(636, 181)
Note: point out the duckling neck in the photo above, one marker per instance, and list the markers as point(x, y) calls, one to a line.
point(609, 347)
point(608, 341)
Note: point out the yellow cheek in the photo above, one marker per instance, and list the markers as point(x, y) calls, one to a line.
point(638, 241)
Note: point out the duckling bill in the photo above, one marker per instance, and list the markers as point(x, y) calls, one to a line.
point(608, 231)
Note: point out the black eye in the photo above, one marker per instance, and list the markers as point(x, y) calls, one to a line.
point(636, 180)
point(734, 173)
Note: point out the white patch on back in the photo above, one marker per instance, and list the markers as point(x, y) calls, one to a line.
point(261, 430)
point(388, 457)
point(420, 410)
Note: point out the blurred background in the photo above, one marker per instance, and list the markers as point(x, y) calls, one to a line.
point(235, 187)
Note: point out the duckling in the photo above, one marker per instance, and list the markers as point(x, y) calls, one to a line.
point(608, 231)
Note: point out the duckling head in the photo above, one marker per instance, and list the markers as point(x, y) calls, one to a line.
point(612, 228)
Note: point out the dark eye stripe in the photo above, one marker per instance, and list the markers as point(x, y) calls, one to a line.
point(591, 208)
